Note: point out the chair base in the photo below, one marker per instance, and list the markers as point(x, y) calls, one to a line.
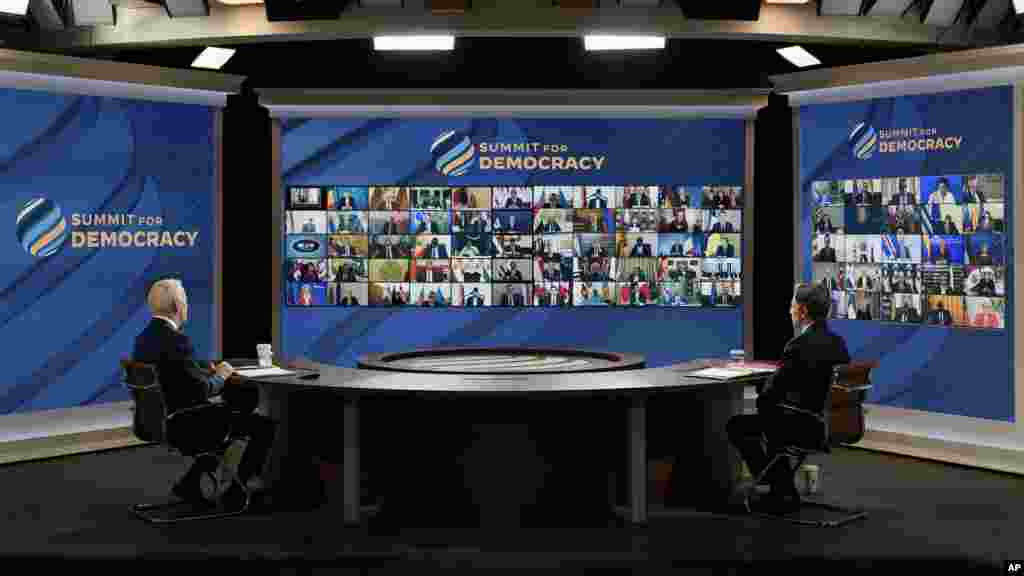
point(182, 511)
point(848, 514)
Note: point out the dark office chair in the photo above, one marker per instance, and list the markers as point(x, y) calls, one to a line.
point(149, 424)
point(842, 422)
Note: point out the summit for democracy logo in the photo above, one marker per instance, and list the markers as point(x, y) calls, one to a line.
point(454, 154)
point(42, 230)
point(865, 141)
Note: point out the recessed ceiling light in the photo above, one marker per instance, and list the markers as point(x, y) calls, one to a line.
point(16, 7)
point(413, 43)
point(1018, 6)
point(798, 56)
point(213, 58)
point(624, 42)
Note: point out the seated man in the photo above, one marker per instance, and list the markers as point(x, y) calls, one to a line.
point(186, 384)
point(802, 380)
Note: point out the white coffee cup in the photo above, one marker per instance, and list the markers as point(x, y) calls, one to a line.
point(807, 479)
point(265, 355)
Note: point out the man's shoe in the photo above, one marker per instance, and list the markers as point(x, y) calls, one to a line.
point(189, 490)
point(234, 498)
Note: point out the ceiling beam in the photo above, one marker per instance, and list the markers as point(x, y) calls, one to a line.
point(150, 27)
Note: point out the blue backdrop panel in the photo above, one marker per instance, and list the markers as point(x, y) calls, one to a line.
point(397, 152)
point(67, 318)
point(961, 371)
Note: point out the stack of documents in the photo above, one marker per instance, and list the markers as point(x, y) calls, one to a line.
point(730, 372)
point(263, 372)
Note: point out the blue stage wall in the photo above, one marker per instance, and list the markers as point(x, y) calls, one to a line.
point(70, 311)
point(951, 370)
point(347, 152)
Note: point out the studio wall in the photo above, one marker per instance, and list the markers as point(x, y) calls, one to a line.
point(913, 195)
point(102, 196)
point(319, 152)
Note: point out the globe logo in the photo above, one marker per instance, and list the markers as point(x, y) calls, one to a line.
point(863, 140)
point(453, 153)
point(41, 228)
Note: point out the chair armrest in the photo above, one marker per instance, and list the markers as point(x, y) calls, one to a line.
point(796, 410)
point(189, 410)
point(861, 388)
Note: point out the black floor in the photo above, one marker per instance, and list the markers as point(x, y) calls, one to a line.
point(77, 507)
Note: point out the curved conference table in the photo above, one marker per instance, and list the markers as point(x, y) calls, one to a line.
point(702, 406)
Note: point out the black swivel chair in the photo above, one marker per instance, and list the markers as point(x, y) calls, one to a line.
point(842, 422)
point(149, 424)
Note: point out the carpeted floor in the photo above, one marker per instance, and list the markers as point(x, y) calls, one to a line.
point(77, 507)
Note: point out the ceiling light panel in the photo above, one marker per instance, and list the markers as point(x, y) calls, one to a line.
point(213, 58)
point(798, 56)
point(15, 7)
point(413, 43)
point(602, 43)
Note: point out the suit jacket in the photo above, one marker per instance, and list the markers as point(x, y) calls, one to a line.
point(985, 288)
point(805, 373)
point(441, 253)
point(826, 255)
point(184, 382)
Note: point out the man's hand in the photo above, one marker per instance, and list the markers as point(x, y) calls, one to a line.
point(224, 370)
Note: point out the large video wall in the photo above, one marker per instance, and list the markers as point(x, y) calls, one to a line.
point(615, 234)
point(513, 246)
point(102, 197)
point(913, 249)
point(906, 209)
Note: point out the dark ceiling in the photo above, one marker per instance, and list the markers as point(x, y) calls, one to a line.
point(527, 63)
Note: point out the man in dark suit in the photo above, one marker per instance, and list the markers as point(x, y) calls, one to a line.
point(475, 299)
point(940, 316)
point(802, 380)
point(436, 250)
point(513, 200)
point(827, 253)
point(186, 384)
point(597, 200)
point(906, 313)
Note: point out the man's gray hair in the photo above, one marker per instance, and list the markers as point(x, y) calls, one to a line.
point(163, 295)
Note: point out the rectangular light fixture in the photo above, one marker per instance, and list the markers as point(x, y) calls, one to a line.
point(213, 58)
point(1018, 6)
point(798, 56)
point(624, 42)
point(413, 43)
point(15, 7)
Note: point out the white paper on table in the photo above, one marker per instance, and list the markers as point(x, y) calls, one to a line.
point(722, 373)
point(263, 372)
